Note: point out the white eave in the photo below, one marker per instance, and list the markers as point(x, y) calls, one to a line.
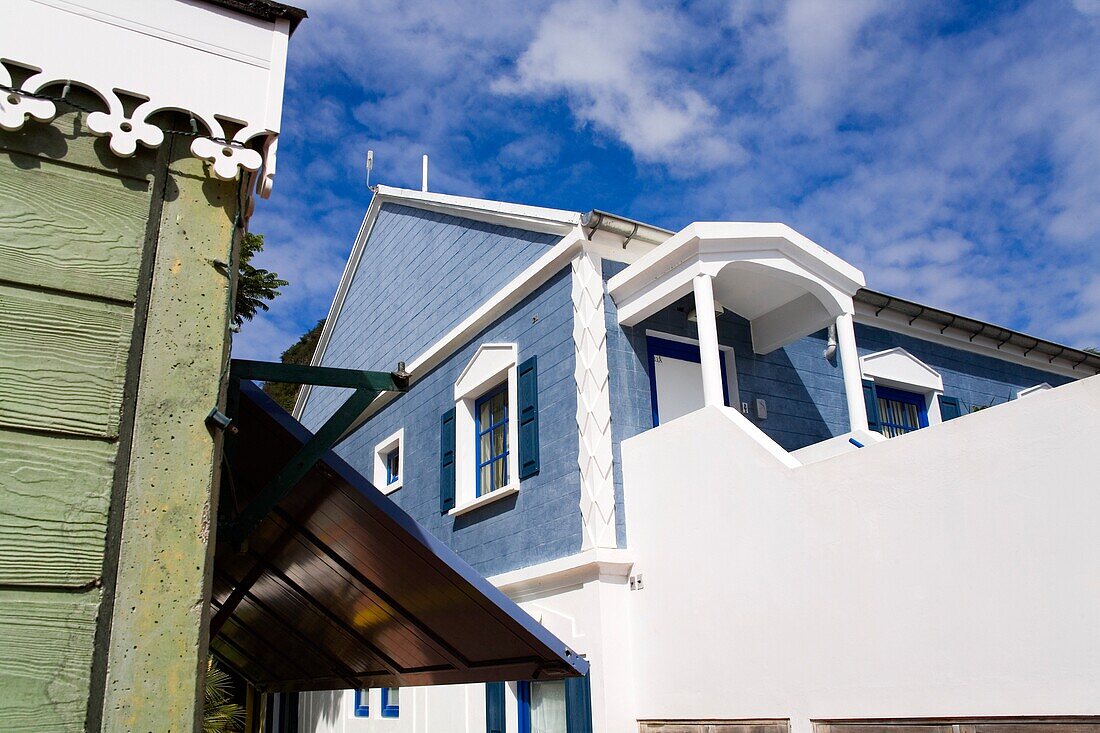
point(210, 62)
point(519, 216)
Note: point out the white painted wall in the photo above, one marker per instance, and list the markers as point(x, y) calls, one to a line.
point(953, 571)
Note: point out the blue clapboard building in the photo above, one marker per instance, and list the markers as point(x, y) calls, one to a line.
point(542, 344)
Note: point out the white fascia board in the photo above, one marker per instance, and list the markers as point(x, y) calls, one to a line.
point(700, 238)
point(519, 216)
point(507, 297)
point(962, 340)
point(609, 565)
point(210, 62)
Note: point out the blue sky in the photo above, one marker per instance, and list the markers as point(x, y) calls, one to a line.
point(950, 150)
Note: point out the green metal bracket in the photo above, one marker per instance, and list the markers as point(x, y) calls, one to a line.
point(367, 386)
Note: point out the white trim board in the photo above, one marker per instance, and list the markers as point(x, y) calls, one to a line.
point(602, 564)
point(898, 323)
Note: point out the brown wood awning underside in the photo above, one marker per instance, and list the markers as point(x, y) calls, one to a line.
point(339, 588)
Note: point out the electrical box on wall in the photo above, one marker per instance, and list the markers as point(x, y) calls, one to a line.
point(761, 409)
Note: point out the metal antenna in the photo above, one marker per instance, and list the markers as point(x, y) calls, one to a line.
point(370, 165)
point(424, 175)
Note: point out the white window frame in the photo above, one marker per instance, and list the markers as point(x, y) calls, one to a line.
point(383, 449)
point(899, 369)
point(490, 366)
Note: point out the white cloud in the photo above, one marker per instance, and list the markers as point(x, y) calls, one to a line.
point(820, 39)
point(614, 61)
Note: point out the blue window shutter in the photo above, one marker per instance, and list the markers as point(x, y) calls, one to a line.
point(447, 461)
point(578, 705)
point(950, 407)
point(870, 398)
point(494, 707)
point(528, 418)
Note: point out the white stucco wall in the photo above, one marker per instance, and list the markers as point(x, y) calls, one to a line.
point(954, 571)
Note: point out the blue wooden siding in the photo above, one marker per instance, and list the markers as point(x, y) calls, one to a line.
point(541, 522)
point(420, 275)
point(976, 380)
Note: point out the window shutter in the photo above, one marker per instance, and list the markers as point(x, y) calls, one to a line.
point(494, 707)
point(578, 705)
point(447, 461)
point(870, 399)
point(950, 407)
point(528, 418)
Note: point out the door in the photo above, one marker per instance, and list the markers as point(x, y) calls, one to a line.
point(676, 379)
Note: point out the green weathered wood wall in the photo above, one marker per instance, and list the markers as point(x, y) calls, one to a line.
point(113, 341)
point(73, 223)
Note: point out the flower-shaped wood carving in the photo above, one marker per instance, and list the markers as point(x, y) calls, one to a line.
point(15, 108)
point(226, 158)
point(125, 132)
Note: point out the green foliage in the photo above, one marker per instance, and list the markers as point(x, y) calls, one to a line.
point(300, 353)
point(220, 714)
point(254, 285)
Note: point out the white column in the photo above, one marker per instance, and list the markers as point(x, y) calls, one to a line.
point(849, 365)
point(708, 341)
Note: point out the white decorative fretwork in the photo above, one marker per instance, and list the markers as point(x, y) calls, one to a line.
point(222, 69)
point(593, 404)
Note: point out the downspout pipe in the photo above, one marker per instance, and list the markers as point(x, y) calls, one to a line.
point(629, 229)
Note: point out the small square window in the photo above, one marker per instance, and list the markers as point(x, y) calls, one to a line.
point(393, 466)
point(362, 706)
point(388, 460)
point(491, 412)
point(391, 703)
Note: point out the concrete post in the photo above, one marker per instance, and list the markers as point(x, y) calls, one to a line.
point(713, 394)
point(849, 365)
point(158, 642)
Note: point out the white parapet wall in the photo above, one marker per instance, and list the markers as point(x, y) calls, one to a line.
point(951, 572)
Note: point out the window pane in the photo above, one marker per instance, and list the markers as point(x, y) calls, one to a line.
point(486, 447)
point(498, 403)
point(500, 473)
point(485, 483)
point(484, 415)
point(548, 707)
point(392, 697)
point(499, 440)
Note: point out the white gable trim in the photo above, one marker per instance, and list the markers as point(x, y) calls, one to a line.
point(489, 364)
point(520, 216)
point(898, 368)
point(530, 218)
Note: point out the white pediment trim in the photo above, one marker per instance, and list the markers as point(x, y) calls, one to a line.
point(898, 368)
point(489, 364)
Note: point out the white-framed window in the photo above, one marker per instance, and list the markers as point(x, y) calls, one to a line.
point(389, 461)
point(486, 428)
point(903, 393)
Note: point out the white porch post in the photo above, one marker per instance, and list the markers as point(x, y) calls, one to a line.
point(849, 365)
point(708, 341)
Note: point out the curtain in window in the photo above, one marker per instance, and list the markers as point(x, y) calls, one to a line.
point(548, 707)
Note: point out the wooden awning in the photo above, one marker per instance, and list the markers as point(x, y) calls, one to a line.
point(338, 588)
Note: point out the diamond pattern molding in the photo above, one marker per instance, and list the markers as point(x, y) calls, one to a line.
point(593, 404)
